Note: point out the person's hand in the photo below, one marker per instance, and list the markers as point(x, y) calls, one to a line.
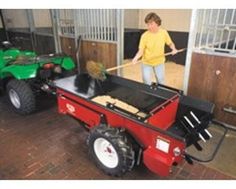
point(174, 51)
point(134, 60)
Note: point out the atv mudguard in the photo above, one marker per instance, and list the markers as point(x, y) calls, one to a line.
point(66, 62)
point(20, 71)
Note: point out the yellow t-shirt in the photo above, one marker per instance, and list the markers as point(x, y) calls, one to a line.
point(153, 45)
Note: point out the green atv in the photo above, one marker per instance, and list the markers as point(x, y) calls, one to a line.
point(23, 74)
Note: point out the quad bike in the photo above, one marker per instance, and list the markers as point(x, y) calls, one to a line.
point(23, 74)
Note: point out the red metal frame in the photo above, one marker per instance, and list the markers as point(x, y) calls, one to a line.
point(164, 115)
point(145, 133)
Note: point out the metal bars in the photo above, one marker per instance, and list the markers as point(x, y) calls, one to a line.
point(216, 31)
point(97, 24)
point(66, 22)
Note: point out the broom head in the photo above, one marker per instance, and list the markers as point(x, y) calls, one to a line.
point(96, 70)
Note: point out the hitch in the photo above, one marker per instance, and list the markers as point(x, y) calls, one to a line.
point(189, 158)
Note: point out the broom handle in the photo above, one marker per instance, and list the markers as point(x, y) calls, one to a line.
point(131, 63)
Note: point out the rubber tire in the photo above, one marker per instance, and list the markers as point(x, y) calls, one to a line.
point(26, 96)
point(119, 141)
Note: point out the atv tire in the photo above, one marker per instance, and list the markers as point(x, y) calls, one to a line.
point(21, 96)
point(111, 150)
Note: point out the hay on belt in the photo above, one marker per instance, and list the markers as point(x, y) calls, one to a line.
point(103, 100)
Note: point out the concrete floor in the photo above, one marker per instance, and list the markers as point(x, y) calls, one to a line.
point(225, 161)
point(47, 145)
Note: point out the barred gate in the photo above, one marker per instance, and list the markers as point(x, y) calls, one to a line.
point(100, 25)
point(66, 22)
point(212, 57)
point(92, 24)
point(213, 32)
point(97, 24)
point(216, 31)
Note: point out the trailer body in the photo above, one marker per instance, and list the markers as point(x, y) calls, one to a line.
point(160, 127)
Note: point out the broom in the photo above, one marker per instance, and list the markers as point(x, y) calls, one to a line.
point(97, 70)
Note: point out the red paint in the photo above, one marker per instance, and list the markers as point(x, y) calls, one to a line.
point(156, 160)
point(165, 115)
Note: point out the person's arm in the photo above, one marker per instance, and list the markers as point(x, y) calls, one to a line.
point(138, 55)
point(170, 43)
point(141, 47)
point(174, 50)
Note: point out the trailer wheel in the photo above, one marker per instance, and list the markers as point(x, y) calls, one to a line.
point(111, 150)
point(21, 96)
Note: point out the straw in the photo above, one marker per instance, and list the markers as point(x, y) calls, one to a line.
point(96, 70)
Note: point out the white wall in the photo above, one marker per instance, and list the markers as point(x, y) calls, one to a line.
point(16, 18)
point(42, 18)
point(131, 18)
point(172, 19)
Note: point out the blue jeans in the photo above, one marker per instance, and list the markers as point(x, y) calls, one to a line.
point(147, 72)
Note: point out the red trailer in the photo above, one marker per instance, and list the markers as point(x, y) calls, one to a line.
point(165, 122)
